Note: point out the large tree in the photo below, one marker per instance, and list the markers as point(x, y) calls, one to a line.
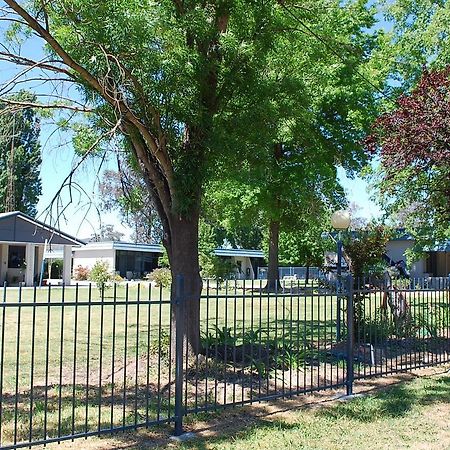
point(160, 73)
point(20, 157)
point(106, 233)
point(173, 77)
point(312, 117)
point(412, 137)
point(418, 37)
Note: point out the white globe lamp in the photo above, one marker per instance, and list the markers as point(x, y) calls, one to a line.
point(340, 220)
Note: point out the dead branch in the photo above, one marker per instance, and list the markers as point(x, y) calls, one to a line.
point(111, 97)
point(68, 180)
point(21, 105)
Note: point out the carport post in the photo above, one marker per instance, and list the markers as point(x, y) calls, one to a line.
point(67, 264)
point(29, 264)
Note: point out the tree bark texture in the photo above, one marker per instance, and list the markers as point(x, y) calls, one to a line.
point(273, 276)
point(184, 262)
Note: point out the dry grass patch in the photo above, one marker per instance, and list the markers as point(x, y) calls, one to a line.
point(405, 411)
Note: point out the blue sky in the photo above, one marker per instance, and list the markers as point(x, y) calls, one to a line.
point(81, 215)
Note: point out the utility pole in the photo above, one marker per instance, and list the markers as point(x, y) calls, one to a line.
point(10, 203)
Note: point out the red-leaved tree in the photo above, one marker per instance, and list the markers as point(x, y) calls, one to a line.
point(414, 144)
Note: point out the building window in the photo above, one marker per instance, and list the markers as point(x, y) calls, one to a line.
point(16, 256)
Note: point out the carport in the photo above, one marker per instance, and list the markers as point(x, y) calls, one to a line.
point(22, 242)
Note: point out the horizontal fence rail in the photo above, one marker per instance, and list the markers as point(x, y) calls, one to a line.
point(82, 361)
point(87, 360)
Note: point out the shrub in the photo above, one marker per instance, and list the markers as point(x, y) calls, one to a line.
point(81, 273)
point(376, 328)
point(101, 275)
point(117, 278)
point(161, 277)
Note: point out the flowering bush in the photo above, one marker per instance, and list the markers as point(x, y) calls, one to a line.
point(81, 273)
point(161, 277)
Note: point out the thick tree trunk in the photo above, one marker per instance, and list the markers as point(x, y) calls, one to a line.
point(273, 276)
point(183, 257)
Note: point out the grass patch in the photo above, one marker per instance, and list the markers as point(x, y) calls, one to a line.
point(69, 353)
point(408, 415)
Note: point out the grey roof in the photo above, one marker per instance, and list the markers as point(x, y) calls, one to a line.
point(18, 227)
point(239, 252)
point(119, 245)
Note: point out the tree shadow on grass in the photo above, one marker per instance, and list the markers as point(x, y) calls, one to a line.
point(395, 401)
point(389, 403)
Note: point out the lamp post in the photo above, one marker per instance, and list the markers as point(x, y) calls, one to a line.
point(340, 221)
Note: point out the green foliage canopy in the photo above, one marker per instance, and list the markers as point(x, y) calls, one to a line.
point(20, 157)
point(412, 181)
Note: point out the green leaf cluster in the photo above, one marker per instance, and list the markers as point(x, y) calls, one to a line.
point(20, 156)
point(365, 249)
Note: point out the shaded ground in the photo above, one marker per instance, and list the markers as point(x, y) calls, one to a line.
point(396, 412)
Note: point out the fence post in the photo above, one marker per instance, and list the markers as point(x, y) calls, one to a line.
point(179, 338)
point(350, 336)
point(339, 288)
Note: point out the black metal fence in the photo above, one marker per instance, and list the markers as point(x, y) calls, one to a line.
point(401, 327)
point(80, 361)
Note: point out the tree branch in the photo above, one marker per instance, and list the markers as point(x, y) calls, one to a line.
point(117, 104)
point(68, 180)
point(158, 180)
point(22, 105)
point(44, 64)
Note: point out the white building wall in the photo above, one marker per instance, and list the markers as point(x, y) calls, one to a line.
point(396, 251)
point(245, 264)
point(418, 268)
point(88, 258)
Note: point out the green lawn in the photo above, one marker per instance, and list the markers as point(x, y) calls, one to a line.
point(74, 347)
point(410, 415)
point(85, 351)
point(84, 332)
point(77, 335)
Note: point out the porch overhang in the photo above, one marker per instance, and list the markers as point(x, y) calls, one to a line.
point(19, 228)
point(22, 242)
